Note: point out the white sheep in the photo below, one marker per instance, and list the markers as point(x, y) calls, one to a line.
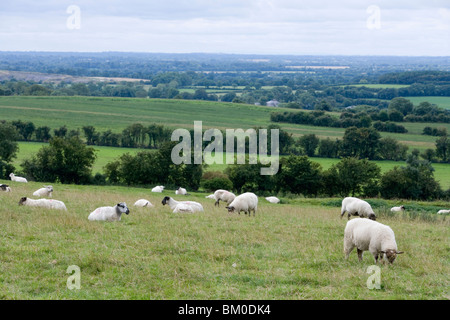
point(246, 202)
point(47, 191)
point(17, 179)
point(43, 203)
point(109, 213)
point(182, 206)
point(443, 211)
point(181, 191)
point(357, 207)
point(365, 234)
point(224, 195)
point(211, 196)
point(5, 187)
point(143, 203)
point(158, 189)
point(398, 209)
point(273, 199)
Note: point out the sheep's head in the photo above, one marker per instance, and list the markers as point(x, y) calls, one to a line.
point(391, 254)
point(372, 216)
point(230, 209)
point(165, 200)
point(3, 186)
point(49, 188)
point(402, 207)
point(22, 200)
point(122, 208)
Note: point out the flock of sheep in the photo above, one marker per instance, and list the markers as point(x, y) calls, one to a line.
point(364, 232)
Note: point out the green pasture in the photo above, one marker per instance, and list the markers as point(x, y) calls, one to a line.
point(442, 102)
point(288, 251)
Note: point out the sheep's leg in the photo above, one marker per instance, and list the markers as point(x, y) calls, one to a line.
point(217, 203)
point(360, 253)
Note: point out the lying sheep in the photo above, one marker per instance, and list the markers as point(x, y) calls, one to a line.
point(365, 234)
point(143, 203)
point(357, 207)
point(443, 211)
point(109, 213)
point(398, 209)
point(224, 195)
point(181, 191)
point(43, 203)
point(17, 179)
point(182, 206)
point(47, 191)
point(273, 199)
point(246, 202)
point(5, 187)
point(211, 196)
point(158, 189)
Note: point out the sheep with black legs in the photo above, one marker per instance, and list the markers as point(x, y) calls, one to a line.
point(109, 213)
point(16, 178)
point(43, 203)
point(246, 202)
point(357, 207)
point(46, 191)
point(182, 206)
point(366, 234)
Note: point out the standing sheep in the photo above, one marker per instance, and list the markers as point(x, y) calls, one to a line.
point(246, 202)
point(158, 189)
point(365, 234)
point(17, 179)
point(224, 195)
point(182, 206)
point(109, 213)
point(398, 209)
point(357, 207)
point(43, 203)
point(5, 187)
point(47, 191)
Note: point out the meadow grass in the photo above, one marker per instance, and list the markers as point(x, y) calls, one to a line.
point(118, 113)
point(442, 102)
point(287, 251)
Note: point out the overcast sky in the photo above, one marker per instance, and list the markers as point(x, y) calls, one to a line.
point(349, 27)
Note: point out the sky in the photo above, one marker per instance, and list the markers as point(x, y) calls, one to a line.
point(298, 27)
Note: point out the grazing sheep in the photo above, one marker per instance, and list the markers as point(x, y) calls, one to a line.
point(143, 203)
point(47, 191)
point(158, 189)
point(357, 207)
point(443, 211)
point(17, 179)
point(398, 209)
point(365, 234)
point(211, 196)
point(109, 213)
point(182, 206)
point(273, 199)
point(246, 202)
point(224, 195)
point(43, 203)
point(181, 191)
point(5, 187)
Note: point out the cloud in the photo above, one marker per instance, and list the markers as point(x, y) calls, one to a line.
point(254, 26)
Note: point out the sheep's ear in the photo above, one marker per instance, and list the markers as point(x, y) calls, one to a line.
point(383, 251)
point(400, 252)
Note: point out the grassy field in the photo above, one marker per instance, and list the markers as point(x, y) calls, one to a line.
point(288, 251)
point(118, 113)
point(442, 102)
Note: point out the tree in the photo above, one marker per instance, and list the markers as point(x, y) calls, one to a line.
point(42, 134)
point(8, 148)
point(443, 148)
point(66, 160)
point(91, 136)
point(352, 176)
point(299, 175)
point(402, 105)
point(309, 143)
point(360, 143)
point(391, 149)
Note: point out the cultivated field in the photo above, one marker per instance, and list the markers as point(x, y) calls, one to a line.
point(288, 251)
